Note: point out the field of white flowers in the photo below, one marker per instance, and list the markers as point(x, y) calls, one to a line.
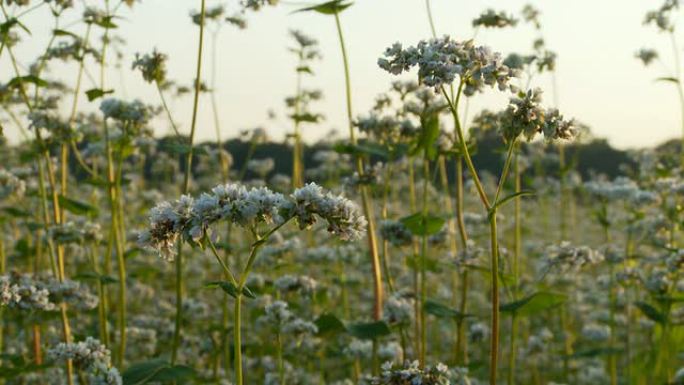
point(422, 247)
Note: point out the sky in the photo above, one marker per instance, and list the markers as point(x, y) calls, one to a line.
point(599, 81)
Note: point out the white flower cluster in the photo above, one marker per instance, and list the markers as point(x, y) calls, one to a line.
point(10, 186)
point(75, 232)
point(279, 316)
point(135, 112)
point(192, 218)
point(261, 167)
point(524, 115)
point(412, 374)
point(30, 293)
point(441, 60)
point(256, 5)
point(621, 189)
point(398, 309)
point(91, 356)
point(567, 257)
point(303, 283)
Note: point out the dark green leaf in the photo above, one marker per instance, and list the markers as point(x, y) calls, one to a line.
point(442, 311)
point(328, 324)
point(19, 80)
point(420, 225)
point(95, 93)
point(370, 330)
point(651, 312)
point(76, 207)
point(508, 198)
point(668, 79)
point(534, 303)
point(329, 8)
point(138, 374)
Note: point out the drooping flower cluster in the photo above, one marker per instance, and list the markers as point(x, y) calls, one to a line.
point(493, 19)
point(90, 356)
point(249, 208)
point(441, 60)
point(411, 374)
point(525, 116)
point(26, 292)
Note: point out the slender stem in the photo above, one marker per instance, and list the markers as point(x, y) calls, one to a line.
point(166, 109)
point(432, 22)
point(186, 185)
point(423, 264)
point(365, 195)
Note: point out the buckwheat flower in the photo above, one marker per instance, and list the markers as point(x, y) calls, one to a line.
point(358, 349)
point(658, 281)
point(9, 292)
point(303, 283)
point(525, 116)
point(277, 314)
point(342, 215)
point(679, 377)
point(661, 17)
point(19, 3)
point(261, 167)
point(390, 351)
point(256, 5)
point(90, 356)
point(397, 310)
point(478, 332)
point(84, 355)
point(493, 19)
point(395, 232)
point(152, 66)
point(299, 327)
point(134, 112)
point(167, 221)
point(531, 15)
point(621, 188)
point(646, 55)
point(411, 374)
point(442, 60)
point(566, 257)
point(10, 186)
point(596, 332)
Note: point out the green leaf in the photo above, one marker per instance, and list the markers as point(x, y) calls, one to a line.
point(534, 303)
point(62, 32)
point(19, 80)
point(668, 79)
point(431, 264)
point(76, 207)
point(440, 310)
point(16, 212)
point(508, 198)
point(361, 149)
point(420, 225)
point(329, 324)
point(91, 275)
point(106, 22)
point(651, 312)
point(229, 288)
point(177, 373)
point(369, 330)
point(329, 8)
point(95, 93)
point(141, 373)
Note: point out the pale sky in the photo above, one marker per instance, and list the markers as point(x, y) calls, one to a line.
point(599, 80)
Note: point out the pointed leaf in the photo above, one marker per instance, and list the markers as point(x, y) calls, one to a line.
point(370, 330)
